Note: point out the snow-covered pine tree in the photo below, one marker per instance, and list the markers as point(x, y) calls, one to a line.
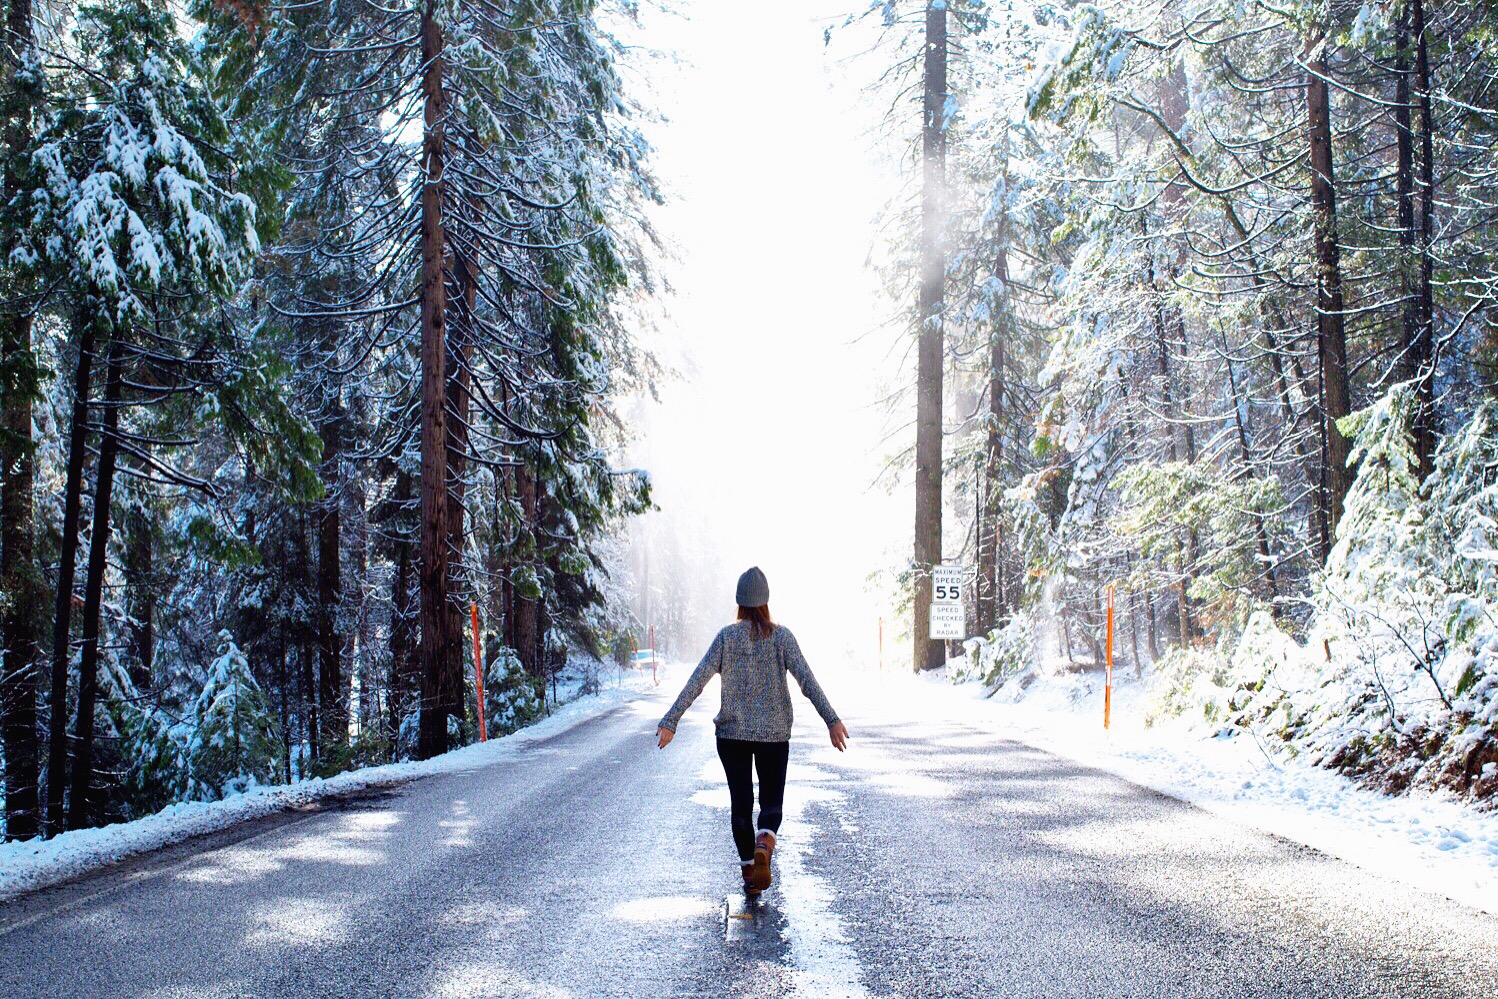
point(1005, 226)
point(1214, 298)
point(144, 744)
point(512, 696)
point(134, 225)
point(233, 743)
point(524, 174)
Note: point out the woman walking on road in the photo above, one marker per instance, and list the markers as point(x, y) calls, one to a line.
point(753, 655)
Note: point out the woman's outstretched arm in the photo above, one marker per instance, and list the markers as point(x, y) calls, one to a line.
point(696, 683)
point(796, 666)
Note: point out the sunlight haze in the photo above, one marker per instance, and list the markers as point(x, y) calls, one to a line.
point(773, 431)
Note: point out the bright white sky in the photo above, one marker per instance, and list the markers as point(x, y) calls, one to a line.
point(778, 327)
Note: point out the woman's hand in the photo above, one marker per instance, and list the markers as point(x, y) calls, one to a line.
point(839, 734)
point(665, 735)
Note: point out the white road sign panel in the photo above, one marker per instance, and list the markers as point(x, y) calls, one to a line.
point(948, 621)
point(946, 584)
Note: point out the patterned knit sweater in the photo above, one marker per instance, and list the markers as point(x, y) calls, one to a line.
point(756, 700)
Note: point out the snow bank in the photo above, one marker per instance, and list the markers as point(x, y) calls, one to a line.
point(1429, 840)
point(28, 865)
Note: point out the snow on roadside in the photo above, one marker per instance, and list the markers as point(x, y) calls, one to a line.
point(28, 865)
point(1429, 841)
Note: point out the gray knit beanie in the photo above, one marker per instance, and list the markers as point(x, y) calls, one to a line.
point(754, 589)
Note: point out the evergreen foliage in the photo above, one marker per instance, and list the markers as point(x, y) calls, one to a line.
point(1200, 256)
point(220, 246)
point(511, 698)
point(233, 744)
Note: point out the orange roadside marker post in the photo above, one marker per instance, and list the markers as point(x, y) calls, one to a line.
point(652, 657)
point(1108, 683)
point(478, 670)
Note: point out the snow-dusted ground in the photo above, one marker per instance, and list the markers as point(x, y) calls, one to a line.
point(28, 865)
point(1432, 842)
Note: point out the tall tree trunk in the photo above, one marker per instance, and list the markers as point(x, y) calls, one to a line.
point(984, 612)
point(504, 540)
point(62, 633)
point(991, 603)
point(1134, 632)
point(80, 810)
point(459, 376)
point(283, 682)
point(20, 580)
point(1423, 345)
point(140, 583)
point(403, 681)
point(20, 584)
point(1246, 471)
point(508, 612)
point(401, 685)
point(1404, 190)
point(546, 556)
point(1154, 636)
point(332, 680)
point(362, 653)
point(527, 611)
point(1173, 429)
point(306, 655)
point(1185, 574)
point(1183, 376)
point(436, 638)
point(305, 633)
point(1162, 344)
point(990, 513)
point(1162, 365)
point(494, 558)
point(1183, 609)
point(929, 351)
point(1162, 347)
point(1188, 439)
point(543, 629)
point(1331, 333)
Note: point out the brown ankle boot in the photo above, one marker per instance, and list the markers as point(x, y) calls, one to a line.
point(747, 868)
point(764, 846)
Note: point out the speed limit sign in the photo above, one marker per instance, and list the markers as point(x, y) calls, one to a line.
point(946, 584)
point(947, 616)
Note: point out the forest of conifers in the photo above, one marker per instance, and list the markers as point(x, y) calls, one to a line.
point(317, 317)
point(312, 334)
point(1214, 300)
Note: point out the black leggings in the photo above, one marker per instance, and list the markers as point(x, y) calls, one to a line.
point(770, 759)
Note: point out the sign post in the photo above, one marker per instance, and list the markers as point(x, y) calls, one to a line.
point(653, 677)
point(478, 669)
point(1108, 683)
point(948, 620)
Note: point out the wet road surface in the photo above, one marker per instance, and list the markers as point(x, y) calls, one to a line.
point(928, 861)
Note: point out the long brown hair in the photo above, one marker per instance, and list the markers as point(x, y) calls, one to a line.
point(760, 625)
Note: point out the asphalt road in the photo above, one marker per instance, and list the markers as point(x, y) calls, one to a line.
point(928, 861)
